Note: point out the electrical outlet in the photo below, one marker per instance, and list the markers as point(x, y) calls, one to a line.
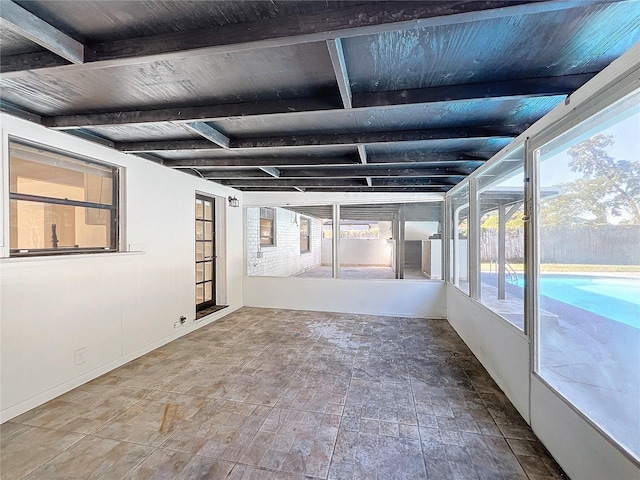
point(177, 324)
point(80, 356)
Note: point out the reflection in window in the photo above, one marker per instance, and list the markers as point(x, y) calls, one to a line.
point(287, 242)
point(459, 248)
point(59, 204)
point(389, 241)
point(501, 199)
point(367, 242)
point(589, 260)
point(267, 230)
point(305, 235)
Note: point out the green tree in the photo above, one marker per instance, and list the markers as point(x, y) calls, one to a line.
point(515, 222)
point(607, 188)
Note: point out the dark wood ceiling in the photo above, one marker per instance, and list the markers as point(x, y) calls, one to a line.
point(308, 96)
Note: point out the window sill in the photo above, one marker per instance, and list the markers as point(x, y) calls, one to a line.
point(59, 257)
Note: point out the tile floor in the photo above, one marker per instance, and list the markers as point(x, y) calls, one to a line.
point(273, 394)
point(325, 271)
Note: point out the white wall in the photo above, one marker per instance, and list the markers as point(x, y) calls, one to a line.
point(405, 298)
point(364, 251)
point(500, 347)
point(583, 453)
point(116, 305)
point(419, 230)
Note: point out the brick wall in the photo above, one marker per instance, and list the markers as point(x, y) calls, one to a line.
point(284, 259)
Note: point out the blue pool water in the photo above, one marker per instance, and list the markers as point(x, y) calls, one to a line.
point(614, 298)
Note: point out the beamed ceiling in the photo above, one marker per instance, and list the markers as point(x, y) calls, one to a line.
point(306, 95)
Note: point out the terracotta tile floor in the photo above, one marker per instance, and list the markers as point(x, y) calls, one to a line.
point(273, 394)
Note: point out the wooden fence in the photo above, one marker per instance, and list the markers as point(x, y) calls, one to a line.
point(596, 245)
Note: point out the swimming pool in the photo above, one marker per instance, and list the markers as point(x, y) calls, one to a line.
point(611, 297)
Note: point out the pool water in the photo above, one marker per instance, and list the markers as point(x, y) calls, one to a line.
point(614, 298)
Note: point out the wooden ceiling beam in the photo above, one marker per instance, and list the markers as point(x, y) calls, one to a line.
point(353, 21)
point(445, 175)
point(507, 132)
point(503, 90)
point(425, 189)
point(501, 132)
point(193, 113)
point(412, 189)
point(336, 53)
point(406, 160)
point(273, 172)
point(521, 88)
point(362, 153)
point(333, 182)
point(428, 157)
point(15, 18)
point(207, 131)
point(293, 182)
point(259, 162)
point(158, 146)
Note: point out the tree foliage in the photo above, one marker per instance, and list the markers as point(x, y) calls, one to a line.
point(515, 222)
point(607, 188)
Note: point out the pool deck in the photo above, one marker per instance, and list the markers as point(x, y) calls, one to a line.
point(589, 358)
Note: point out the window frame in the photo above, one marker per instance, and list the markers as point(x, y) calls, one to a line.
point(113, 208)
point(307, 236)
point(272, 237)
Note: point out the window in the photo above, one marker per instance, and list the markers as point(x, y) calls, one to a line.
point(267, 227)
point(459, 249)
point(305, 235)
point(501, 200)
point(60, 204)
point(294, 248)
point(589, 262)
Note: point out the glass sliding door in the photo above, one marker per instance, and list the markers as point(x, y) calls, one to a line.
point(205, 253)
point(588, 335)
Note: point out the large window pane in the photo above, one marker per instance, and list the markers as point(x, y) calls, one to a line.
point(42, 226)
point(422, 241)
point(390, 241)
point(305, 235)
point(367, 242)
point(285, 242)
point(589, 285)
point(60, 204)
point(459, 239)
point(501, 199)
point(48, 174)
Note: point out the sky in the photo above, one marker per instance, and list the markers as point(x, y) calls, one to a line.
point(626, 134)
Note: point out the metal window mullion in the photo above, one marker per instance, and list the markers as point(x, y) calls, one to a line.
point(473, 241)
point(60, 201)
point(532, 248)
point(115, 213)
point(445, 239)
point(335, 244)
